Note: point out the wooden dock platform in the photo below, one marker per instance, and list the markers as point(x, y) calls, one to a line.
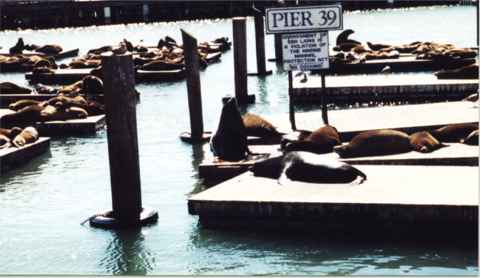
point(13, 157)
point(347, 89)
point(407, 197)
point(68, 76)
point(455, 154)
point(62, 55)
point(408, 118)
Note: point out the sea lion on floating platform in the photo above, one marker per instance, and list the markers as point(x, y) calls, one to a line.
point(12, 88)
point(321, 140)
point(26, 116)
point(50, 49)
point(18, 47)
point(379, 46)
point(258, 126)
point(20, 104)
point(53, 113)
point(229, 142)
point(424, 142)
point(161, 65)
point(465, 72)
point(375, 142)
point(342, 38)
point(7, 135)
point(471, 139)
point(307, 167)
point(27, 136)
point(454, 133)
point(472, 97)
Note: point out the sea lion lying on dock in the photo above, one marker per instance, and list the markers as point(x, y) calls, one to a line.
point(321, 140)
point(49, 49)
point(306, 167)
point(26, 116)
point(12, 88)
point(7, 135)
point(375, 142)
point(454, 133)
point(22, 103)
point(229, 142)
point(27, 136)
point(471, 139)
point(424, 142)
point(18, 47)
point(258, 126)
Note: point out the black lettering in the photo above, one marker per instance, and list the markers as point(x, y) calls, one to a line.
point(295, 18)
point(306, 17)
point(276, 18)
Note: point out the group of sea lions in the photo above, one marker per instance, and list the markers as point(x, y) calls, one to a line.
point(167, 55)
point(17, 137)
point(47, 49)
point(352, 51)
point(301, 161)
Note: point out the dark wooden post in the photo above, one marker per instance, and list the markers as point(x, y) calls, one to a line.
point(291, 101)
point(120, 105)
point(260, 45)
point(477, 4)
point(240, 60)
point(194, 90)
point(278, 48)
point(322, 98)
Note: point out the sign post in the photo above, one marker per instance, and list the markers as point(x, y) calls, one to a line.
point(304, 41)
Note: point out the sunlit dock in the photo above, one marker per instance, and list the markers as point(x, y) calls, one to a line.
point(12, 157)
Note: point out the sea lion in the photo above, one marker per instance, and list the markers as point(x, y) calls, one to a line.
point(128, 45)
point(454, 133)
point(54, 113)
point(161, 65)
point(375, 142)
point(472, 97)
point(465, 72)
point(471, 139)
point(18, 47)
point(321, 140)
point(5, 142)
point(12, 88)
point(424, 142)
point(92, 85)
point(50, 49)
point(307, 167)
point(44, 89)
point(23, 117)
point(379, 46)
point(20, 104)
point(229, 142)
point(258, 126)
point(10, 133)
point(27, 136)
point(342, 38)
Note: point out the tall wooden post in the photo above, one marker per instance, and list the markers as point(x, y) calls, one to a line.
point(194, 90)
point(477, 4)
point(324, 104)
point(120, 106)
point(240, 59)
point(291, 101)
point(278, 48)
point(260, 45)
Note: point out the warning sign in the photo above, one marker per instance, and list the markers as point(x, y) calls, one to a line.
point(305, 51)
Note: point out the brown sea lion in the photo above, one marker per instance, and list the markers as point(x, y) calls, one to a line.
point(53, 113)
point(10, 133)
point(379, 46)
point(321, 140)
point(5, 142)
point(27, 136)
point(258, 126)
point(307, 167)
point(17, 105)
point(471, 139)
point(50, 49)
point(375, 142)
point(454, 133)
point(424, 142)
point(11, 88)
point(64, 101)
point(229, 142)
point(23, 117)
point(465, 72)
point(161, 65)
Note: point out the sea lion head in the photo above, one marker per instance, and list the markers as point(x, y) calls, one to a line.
point(268, 168)
point(92, 85)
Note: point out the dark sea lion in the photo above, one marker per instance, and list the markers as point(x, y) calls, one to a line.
point(50, 49)
point(379, 46)
point(454, 133)
point(23, 117)
point(11, 88)
point(472, 97)
point(92, 85)
point(471, 139)
point(229, 142)
point(18, 47)
point(20, 104)
point(465, 72)
point(10, 133)
point(321, 140)
point(307, 167)
point(5, 142)
point(64, 101)
point(161, 65)
point(342, 38)
point(128, 45)
point(258, 126)
point(27, 136)
point(375, 142)
point(424, 142)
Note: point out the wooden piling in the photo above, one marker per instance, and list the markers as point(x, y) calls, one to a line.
point(260, 46)
point(291, 101)
point(194, 91)
point(324, 103)
point(278, 48)
point(240, 60)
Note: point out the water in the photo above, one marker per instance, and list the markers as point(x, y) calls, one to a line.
point(43, 202)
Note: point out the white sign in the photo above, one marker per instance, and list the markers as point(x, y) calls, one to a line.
point(305, 51)
point(304, 19)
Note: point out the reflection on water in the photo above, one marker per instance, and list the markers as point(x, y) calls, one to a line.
point(127, 254)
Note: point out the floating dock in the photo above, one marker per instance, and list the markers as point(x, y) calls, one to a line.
point(393, 199)
point(13, 157)
point(408, 118)
point(68, 76)
point(61, 55)
point(348, 89)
